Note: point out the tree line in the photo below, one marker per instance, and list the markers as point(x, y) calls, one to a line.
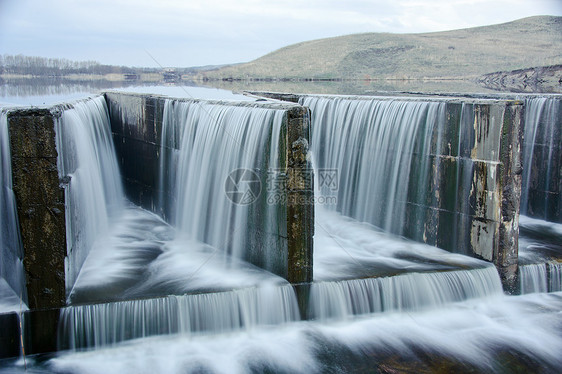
point(54, 67)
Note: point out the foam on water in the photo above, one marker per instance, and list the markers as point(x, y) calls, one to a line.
point(345, 248)
point(103, 324)
point(482, 333)
point(93, 193)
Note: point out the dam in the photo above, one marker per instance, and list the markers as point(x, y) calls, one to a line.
point(133, 217)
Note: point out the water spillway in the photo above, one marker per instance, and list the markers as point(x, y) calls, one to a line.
point(93, 189)
point(215, 141)
point(192, 259)
point(541, 200)
point(540, 197)
point(98, 325)
point(208, 168)
point(376, 147)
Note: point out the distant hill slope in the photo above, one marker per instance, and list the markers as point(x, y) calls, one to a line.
point(525, 43)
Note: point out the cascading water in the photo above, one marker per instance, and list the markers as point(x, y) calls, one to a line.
point(407, 292)
point(141, 256)
point(540, 152)
point(202, 144)
point(543, 277)
point(539, 237)
point(373, 156)
point(12, 279)
point(533, 278)
point(105, 324)
point(93, 192)
point(232, 330)
point(376, 146)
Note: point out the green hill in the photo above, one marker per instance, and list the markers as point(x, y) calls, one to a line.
point(466, 53)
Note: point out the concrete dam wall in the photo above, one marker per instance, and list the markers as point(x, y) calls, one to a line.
point(457, 183)
point(471, 197)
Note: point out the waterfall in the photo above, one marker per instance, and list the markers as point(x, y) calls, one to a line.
point(205, 145)
point(106, 324)
point(11, 251)
point(533, 278)
point(555, 276)
point(88, 164)
point(541, 159)
point(544, 277)
point(407, 292)
point(379, 149)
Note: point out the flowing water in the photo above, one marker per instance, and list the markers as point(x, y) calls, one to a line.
point(540, 248)
point(541, 158)
point(370, 144)
point(183, 299)
point(93, 189)
point(124, 252)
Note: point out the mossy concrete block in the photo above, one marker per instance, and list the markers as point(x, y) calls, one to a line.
point(40, 204)
point(300, 194)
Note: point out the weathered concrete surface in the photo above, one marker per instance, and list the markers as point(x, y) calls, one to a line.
point(136, 122)
point(300, 193)
point(506, 253)
point(40, 205)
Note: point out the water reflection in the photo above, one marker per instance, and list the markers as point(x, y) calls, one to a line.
point(48, 91)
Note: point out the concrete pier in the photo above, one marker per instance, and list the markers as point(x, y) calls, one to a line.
point(40, 205)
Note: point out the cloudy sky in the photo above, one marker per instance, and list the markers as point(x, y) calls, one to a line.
point(202, 32)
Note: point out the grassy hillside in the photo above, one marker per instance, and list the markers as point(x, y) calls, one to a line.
point(529, 42)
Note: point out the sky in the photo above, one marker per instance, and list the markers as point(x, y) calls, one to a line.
point(174, 33)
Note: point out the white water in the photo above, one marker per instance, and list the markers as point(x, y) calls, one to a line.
point(94, 192)
point(212, 141)
point(137, 254)
point(476, 332)
point(555, 277)
point(12, 278)
point(345, 249)
point(406, 292)
point(372, 144)
point(540, 250)
point(533, 278)
point(543, 277)
point(233, 341)
point(538, 152)
point(103, 324)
